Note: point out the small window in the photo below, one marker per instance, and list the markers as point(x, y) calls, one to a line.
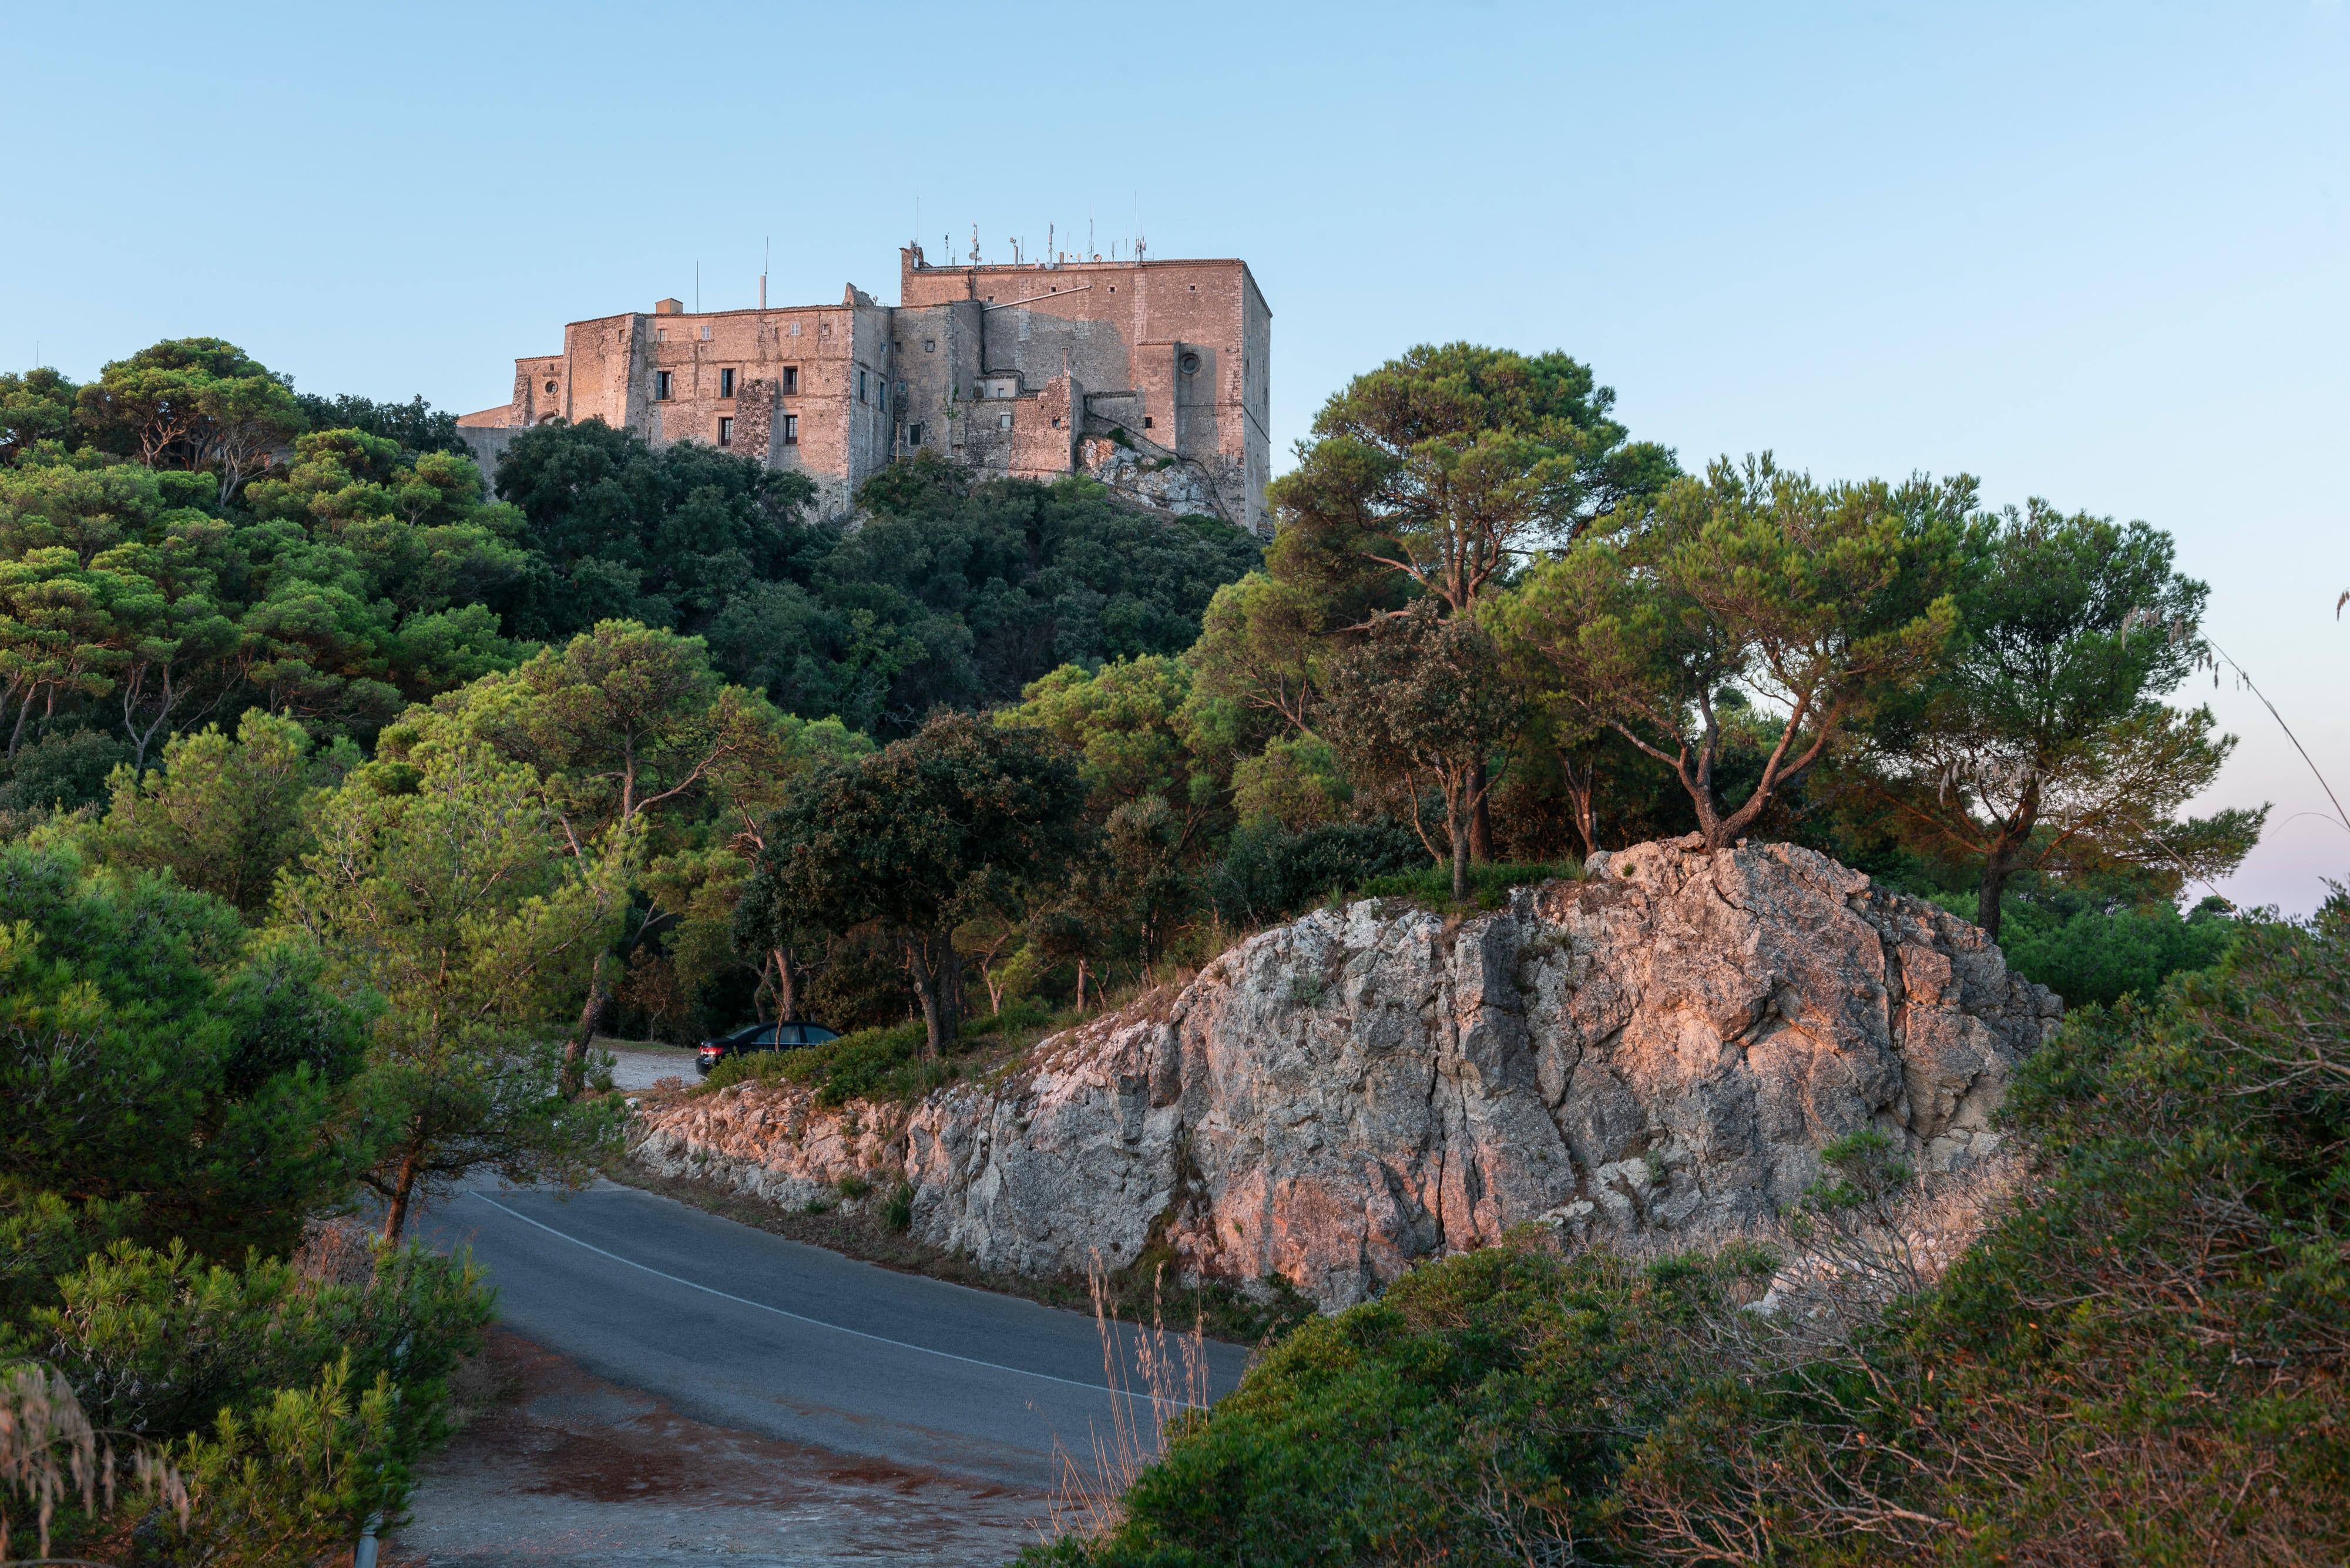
point(661, 386)
point(885, 397)
point(661, 333)
point(791, 430)
point(913, 435)
point(791, 378)
point(705, 335)
point(1004, 422)
point(930, 345)
point(1191, 363)
point(550, 388)
point(726, 431)
point(1146, 421)
point(725, 383)
point(1113, 288)
point(860, 386)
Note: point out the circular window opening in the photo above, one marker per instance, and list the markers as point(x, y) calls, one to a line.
point(550, 388)
point(1190, 364)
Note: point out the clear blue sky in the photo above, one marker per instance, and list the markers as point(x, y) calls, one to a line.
point(2094, 253)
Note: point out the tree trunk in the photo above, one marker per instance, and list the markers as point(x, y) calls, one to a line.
point(937, 969)
point(1582, 792)
point(591, 1019)
point(1461, 835)
point(787, 987)
point(1480, 820)
point(1997, 865)
point(395, 1219)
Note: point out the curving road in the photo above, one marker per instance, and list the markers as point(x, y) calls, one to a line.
point(749, 1332)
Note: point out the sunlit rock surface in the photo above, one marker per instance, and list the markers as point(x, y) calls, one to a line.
point(1659, 1052)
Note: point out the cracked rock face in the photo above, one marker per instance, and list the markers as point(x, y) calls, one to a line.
point(1660, 1051)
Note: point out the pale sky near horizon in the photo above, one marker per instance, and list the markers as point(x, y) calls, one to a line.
point(2094, 253)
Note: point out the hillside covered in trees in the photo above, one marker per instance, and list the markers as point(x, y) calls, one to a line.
point(347, 795)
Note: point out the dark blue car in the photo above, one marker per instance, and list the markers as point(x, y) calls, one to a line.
point(754, 1037)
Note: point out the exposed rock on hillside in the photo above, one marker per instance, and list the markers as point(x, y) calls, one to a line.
point(1663, 1048)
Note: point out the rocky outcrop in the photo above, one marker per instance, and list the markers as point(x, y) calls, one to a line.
point(1659, 1051)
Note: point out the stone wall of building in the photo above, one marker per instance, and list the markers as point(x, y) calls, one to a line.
point(1003, 368)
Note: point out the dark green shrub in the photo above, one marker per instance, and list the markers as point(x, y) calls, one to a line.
point(898, 1209)
point(882, 1064)
point(1269, 872)
point(1437, 1424)
point(2085, 953)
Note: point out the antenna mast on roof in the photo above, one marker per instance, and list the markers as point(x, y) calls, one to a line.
point(765, 255)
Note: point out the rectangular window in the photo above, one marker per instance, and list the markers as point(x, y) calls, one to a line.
point(791, 430)
point(860, 386)
point(885, 397)
point(661, 386)
point(1004, 422)
point(930, 345)
point(913, 435)
point(791, 378)
point(725, 383)
point(726, 431)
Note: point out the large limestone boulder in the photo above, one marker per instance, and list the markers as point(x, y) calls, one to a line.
point(1657, 1052)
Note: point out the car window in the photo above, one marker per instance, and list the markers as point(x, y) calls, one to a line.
point(816, 1034)
point(789, 1034)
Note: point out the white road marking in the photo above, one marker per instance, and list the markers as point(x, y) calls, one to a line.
point(819, 1323)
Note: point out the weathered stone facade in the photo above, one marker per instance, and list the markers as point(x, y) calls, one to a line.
point(1153, 376)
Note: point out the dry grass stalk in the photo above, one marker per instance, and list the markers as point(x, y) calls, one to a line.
point(1164, 1377)
point(50, 1454)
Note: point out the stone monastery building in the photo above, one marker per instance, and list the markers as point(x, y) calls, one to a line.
point(1150, 376)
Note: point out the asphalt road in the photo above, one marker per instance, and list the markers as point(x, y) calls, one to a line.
point(749, 1332)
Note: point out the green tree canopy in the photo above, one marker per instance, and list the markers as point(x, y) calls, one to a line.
point(35, 405)
point(963, 817)
point(2046, 743)
point(223, 816)
point(157, 1058)
point(1420, 706)
point(445, 889)
point(191, 403)
point(632, 736)
point(1449, 466)
point(131, 602)
point(951, 590)
point(416, 425)
point(1125, 724)
point(1827, 600)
